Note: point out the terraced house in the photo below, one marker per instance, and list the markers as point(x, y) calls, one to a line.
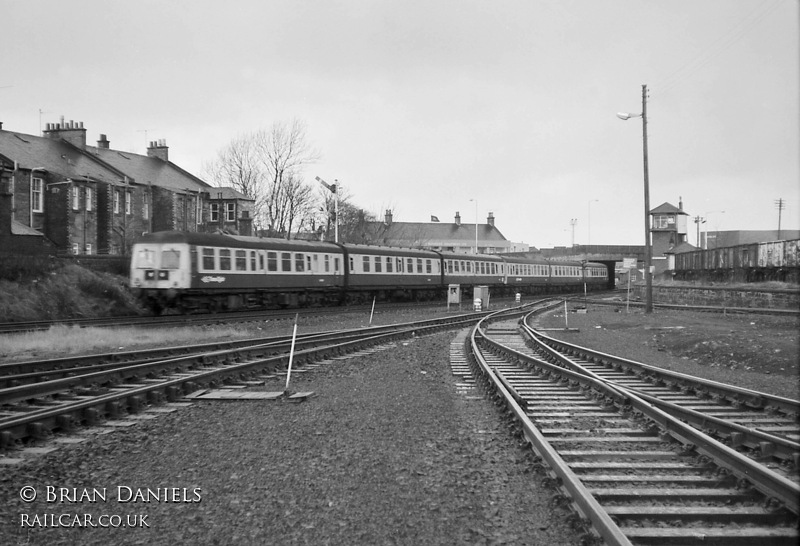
point(86, 199)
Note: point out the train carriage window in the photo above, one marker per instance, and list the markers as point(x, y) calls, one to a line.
point(224, 259)
point(327, 262)
point(299, 262)
point(272, 261)
point(311, 265)
point(365, 262)
point(261, 264)
point(253, 264)
point(378, 264)
point(170, 259)
point(428, 266)
point(410, 265)
point(286, 261)
point(352, 264)
point(399, 265)
point(241, 260)
point(146, 259)
point(336, 265)
point(388, 264)
point(419, 265)
point(208, 259)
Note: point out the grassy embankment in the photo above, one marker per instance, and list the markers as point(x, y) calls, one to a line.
point(71, 291)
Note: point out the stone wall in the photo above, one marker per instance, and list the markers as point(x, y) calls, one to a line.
point(721, 296)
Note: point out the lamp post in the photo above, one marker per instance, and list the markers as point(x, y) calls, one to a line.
point(648, 274)
point(333, 189)
point(589, 221)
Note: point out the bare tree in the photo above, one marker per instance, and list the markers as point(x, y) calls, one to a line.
point(267, 166)
point(284, 151)
point(238, 166)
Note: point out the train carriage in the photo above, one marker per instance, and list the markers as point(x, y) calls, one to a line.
point(211, 271)
point(392, 273)
point(470, 270)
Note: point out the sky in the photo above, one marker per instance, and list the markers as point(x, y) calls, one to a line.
point(442, 106)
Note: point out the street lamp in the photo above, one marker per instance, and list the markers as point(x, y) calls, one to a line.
point(332, 188)
point(589, 221)
point(648, 275)
point(476, 225)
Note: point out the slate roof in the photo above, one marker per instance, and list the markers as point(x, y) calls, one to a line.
point(667, 208)
point(433, 233)
point(55, 156)
point(103, 164)
point(144, 169)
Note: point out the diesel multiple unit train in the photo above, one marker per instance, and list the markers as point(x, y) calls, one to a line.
point(213, 272)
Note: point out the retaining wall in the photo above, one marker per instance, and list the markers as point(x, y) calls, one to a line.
point(720, 296)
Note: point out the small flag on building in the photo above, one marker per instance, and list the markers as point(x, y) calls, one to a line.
point(434, 218)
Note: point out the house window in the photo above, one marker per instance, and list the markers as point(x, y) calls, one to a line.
point(76, 198)
point(230, 212)
point(88, 197)
point(37, 196)
point(128, 200)
point(116, 201)
point(215, 212)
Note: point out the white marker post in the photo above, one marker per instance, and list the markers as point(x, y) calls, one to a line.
point(291, 354)
point(566, 319)
point(373, 310)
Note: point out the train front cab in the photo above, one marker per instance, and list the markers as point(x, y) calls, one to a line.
point(159, 271)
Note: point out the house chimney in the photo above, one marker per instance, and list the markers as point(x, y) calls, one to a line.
point(103, 142)
point(158, 149)
point(680, 203)
point(490, 219)
point(72, 132)
point(458, 219)
point(388, 218)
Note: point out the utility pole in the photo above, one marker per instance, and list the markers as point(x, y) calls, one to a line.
point(572, 222)
point(648, 274)
point(699, 220)
point(780, 204)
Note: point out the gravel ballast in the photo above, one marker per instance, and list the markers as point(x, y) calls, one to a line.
point(386, 452)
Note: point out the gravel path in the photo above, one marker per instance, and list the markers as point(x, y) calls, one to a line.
point(387, 452)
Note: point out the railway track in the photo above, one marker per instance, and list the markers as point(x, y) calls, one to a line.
point(43, 397)
point(616, 440)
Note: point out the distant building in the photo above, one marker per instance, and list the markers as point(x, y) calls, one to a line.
point(669, 232)
point(719, 239)
point(444, 236)
point(96, 200)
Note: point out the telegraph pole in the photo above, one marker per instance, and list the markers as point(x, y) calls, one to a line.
point(780, 204)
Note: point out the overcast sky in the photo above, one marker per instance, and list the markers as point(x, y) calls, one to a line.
point(427, 107)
